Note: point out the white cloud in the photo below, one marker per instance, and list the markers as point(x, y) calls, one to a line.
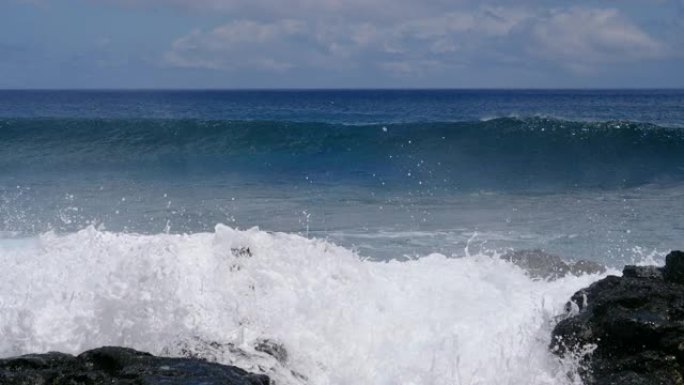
point(583, 39)
point(578, 39)
point(486, 21)
point(238, 45)
point(402, 40)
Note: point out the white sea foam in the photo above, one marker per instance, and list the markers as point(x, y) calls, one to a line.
point(342, 320)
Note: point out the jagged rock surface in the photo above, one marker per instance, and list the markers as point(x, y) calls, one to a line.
point(636, 324)
point(120, 366)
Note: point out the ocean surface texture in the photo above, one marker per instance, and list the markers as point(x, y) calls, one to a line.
point(358, 229)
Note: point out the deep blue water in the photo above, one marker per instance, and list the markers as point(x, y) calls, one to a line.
point(592, 174)
point(663, 107)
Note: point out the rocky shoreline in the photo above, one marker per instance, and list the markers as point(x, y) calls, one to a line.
point(120, 366)
point(625, 330)
point(628, 330)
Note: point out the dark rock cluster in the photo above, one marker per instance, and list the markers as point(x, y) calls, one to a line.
point(633, 323)
point(120, 366)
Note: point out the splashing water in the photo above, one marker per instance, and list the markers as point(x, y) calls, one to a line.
point(341, 319)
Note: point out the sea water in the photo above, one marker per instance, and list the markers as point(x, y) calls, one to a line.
point(359, 230)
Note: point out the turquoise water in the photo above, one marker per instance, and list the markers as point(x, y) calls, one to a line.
point(586, 174)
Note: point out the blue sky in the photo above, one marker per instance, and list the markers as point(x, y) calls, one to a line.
point(341, 43)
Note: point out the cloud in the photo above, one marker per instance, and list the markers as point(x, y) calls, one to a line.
point(239, 44)
point(301, 43)
point(272, 9)
point(582, 40)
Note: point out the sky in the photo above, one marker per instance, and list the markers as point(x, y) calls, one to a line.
point(143, 44)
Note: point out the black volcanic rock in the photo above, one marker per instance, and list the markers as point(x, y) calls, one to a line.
point(120, 366)
point(636, 324)
point(674, 267)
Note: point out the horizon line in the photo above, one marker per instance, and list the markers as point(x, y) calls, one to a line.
point(291, 89)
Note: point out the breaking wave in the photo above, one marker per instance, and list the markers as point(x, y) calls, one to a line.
point(505, 153)
point(330, 316)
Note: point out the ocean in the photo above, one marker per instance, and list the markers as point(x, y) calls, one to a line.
point(360, 229)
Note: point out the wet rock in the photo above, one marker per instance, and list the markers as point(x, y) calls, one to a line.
point(674, 267)
point(264, 355)
point(634, 324)
point(586, 267)
point(273, 349)
point(652, 272)
point(121, 366)
point(540, 264)
point(241, 252)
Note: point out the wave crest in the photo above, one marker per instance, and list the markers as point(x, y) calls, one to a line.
point(498, 153)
